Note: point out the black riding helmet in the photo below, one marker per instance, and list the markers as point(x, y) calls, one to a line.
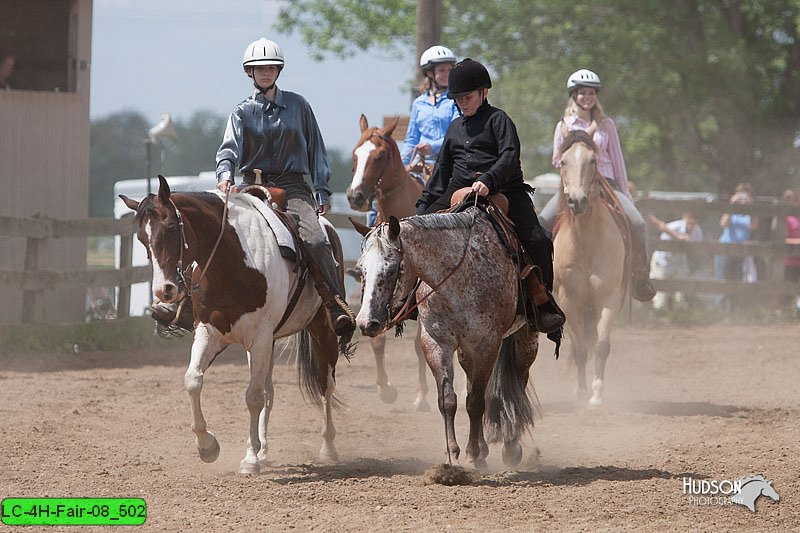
point(467, 76)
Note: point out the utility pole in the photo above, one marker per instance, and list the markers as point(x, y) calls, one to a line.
point(429, 32)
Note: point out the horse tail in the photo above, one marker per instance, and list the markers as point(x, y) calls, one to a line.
point(509, 412)
point(312, 379)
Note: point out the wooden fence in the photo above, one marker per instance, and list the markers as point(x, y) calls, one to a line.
point(771, 248)
point(34, 282)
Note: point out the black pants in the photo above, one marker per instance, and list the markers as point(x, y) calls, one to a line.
point(529, 232)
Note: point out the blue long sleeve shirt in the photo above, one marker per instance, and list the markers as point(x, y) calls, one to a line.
point(428, 123)
point(275, 137)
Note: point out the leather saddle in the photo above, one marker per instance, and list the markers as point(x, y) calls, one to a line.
point(275, 197)
point(496, 207)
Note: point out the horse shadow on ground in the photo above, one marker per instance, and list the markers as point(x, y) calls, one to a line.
point(365, 468)
point(662, 408)
point(361, 468)
point(577, 476)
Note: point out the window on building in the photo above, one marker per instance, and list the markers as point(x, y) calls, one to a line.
point(39, 37)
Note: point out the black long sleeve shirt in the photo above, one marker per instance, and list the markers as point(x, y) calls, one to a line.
point(484, 146)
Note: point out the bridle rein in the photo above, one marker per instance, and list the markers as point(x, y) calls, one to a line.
point(184, 245)
point(407, 307)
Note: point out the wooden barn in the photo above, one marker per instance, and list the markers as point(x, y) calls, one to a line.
point(44, 147)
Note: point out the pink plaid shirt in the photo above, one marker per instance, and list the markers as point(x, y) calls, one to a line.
point(610, 162)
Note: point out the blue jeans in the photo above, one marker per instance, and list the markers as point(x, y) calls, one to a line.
point(372, 214)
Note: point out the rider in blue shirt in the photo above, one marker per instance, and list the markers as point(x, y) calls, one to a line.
point(431, 113)
point(275, 133)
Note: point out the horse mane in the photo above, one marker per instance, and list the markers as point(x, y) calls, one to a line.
point(148, 205)
point(441, 221)
point(577, 136)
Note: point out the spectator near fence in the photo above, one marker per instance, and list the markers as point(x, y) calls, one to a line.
point(791, 263)
point(737, 228)
point(672, 265)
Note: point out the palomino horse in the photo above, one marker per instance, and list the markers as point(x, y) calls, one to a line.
point(471, 309)
point(242, 291)
point(589, 261)
point(378, 172)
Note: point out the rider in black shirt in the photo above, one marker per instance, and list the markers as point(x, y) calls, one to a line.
point(481, 150)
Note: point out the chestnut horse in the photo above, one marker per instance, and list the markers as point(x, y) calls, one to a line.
point(378, 172)
point(589, 261)
point(495, 347)
point(242, 291)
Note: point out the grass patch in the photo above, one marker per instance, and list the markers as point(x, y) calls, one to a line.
point(101, 335)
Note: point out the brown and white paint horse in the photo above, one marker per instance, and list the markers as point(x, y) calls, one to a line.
point(241, 298)
point(378, 172)
point(588, 264)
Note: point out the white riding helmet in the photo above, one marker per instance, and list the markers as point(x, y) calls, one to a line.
point(262, 52)
point(435, 55)
point(583, 78)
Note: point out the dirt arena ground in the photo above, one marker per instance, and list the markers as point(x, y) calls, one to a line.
point(713, 403)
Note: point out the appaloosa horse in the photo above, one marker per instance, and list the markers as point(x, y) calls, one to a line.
point(589, 261)
point(242, 291)
point(378, 172)
point(468, 303)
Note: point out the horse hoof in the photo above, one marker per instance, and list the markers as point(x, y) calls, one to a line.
point(512, 454)
point(421, 406)
point(328, 454)
point(209, 455)
point(388, 394)
point(249, 469)
point(597, 393)
point(262, 457)
point(478, 465)
point(595, 402)
point(581, 395)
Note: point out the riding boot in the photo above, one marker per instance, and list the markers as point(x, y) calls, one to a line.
point(547, 316)
point(342, 317)
point(642, 289)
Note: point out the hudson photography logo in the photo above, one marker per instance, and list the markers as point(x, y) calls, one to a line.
point(743, 491)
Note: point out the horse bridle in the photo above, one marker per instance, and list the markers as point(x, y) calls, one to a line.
point(376, 189)
point(183, 244)
point(407, 308)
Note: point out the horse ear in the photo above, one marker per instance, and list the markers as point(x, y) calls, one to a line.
point(131, 203)
point(394, 228)
point(392, 125)
point(361, 228)
point(163, 189)
point(363, 123)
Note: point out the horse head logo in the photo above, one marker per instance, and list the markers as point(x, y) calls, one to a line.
point(752, 488)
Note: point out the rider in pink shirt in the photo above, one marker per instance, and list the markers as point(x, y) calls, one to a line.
point(583, 112)
point(610, 162)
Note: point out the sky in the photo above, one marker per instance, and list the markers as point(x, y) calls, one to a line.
point(181, 56)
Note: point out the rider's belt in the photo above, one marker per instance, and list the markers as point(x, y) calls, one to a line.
point(269, 180)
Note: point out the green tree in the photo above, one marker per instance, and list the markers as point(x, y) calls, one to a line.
point(706, 93)
point(341, 170)
point(116, 153)
point(198, 141)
